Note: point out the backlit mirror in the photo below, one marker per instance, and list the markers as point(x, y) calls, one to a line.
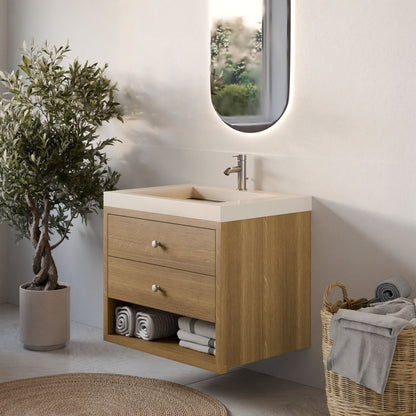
point(250, 61)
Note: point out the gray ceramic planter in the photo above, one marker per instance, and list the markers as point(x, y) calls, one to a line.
point(44, 318)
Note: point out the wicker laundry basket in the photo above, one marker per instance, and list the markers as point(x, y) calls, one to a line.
point(346, 398)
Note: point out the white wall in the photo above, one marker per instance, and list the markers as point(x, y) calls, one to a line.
point(347, 137)
point(4, 242)
point(3, 229)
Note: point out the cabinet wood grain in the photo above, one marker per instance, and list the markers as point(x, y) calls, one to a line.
point(180, 246)
point(250, 277)
point(180, 292)
point(264, 288)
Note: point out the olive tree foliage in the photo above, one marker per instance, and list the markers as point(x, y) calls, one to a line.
point(53, 168)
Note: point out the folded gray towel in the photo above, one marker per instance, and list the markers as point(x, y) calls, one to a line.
point(400, 308)
point(197, 339)
point(392, 288)
point(154, 324)
point(198, 347)
point(364, 344)
point(196, 326)
point(125, 320)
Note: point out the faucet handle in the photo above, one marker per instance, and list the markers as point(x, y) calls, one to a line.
point(241, 170)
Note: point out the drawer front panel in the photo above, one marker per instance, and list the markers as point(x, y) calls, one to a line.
point(181, 292)
point(182, 247)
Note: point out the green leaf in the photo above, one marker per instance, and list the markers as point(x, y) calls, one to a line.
point(26, 60)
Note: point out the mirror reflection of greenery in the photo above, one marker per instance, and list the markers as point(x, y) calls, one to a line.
point(236, 67)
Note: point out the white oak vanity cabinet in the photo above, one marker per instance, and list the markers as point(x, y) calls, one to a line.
point(249, 276)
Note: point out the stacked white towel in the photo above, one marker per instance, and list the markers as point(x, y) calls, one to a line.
point(154, 324)
point(125, 320)
point(197, 335)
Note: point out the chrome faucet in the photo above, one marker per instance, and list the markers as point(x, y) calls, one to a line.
point(240, 169)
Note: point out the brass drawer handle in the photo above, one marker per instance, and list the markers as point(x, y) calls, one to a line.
point(155, 243)
point(155, 288)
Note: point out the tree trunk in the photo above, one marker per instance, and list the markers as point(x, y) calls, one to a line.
point(44, 268)
point(52, 283)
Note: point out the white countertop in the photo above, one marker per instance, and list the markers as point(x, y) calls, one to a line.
point(209, 203)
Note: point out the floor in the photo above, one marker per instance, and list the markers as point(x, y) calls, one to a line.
point(243, 392)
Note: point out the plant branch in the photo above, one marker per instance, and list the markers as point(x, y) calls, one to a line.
point(52, 283)
point(73, 216)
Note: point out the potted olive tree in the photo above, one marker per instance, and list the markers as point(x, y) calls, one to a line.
point(53, 169)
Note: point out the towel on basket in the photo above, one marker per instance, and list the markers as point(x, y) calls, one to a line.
point(392, 288)
point(153, 324)
point(125, 320)
point(364, 343)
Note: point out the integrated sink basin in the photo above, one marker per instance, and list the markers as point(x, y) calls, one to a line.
point(211, 203)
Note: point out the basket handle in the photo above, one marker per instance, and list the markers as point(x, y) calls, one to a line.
point(331, 286)
point(329, 306)
point(346, 302)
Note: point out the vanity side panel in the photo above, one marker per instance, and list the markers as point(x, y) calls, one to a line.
point(264, 286)
point(107, 325)
point(221, 342)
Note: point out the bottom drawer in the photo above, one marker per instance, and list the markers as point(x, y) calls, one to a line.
point(181, 292)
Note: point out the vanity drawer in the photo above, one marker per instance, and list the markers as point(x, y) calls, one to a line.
point(181, 246)
point(180, 292)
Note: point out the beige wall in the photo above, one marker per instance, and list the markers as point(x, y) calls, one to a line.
point(347, 137)
point(3, 230)
point(3, 34)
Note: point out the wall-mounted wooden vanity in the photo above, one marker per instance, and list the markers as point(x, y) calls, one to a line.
point(249, 276)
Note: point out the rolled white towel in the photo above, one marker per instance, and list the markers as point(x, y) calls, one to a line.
point(198, 347)
point(197, 339)
point(125, 320)
point(196, 326)
point(154, 324)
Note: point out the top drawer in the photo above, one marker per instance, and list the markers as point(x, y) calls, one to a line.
point(180, 246)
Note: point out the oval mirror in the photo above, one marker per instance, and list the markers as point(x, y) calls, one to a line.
point(250, 61)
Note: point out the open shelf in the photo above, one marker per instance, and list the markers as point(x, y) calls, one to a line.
point(167, 348)
point(163, 347)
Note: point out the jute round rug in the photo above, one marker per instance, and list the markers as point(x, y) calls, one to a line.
point(103, 394)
